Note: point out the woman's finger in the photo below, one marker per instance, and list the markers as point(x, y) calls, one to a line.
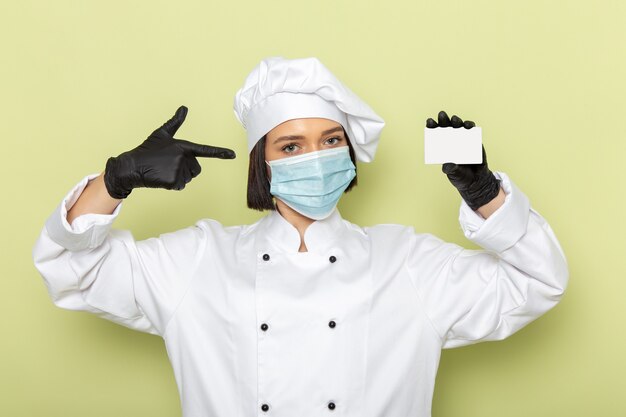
point(456, 121)
point(442, 119)
point(172, 125)
point(194, 167)
point(430, 123)
point(206, 151)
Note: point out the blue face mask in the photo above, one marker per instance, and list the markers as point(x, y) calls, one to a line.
point(312, 183)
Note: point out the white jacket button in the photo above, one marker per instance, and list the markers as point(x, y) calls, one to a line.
point(332, 259)
point(332, 324)
point(331, 405)
point(264, 326)
point(266, 257)
point(265, 407)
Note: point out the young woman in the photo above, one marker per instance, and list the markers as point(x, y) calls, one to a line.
point(302, 313)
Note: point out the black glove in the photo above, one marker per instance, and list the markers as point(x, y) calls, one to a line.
point(475, 182)
point(160, 161)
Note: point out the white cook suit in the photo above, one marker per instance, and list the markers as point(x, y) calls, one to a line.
point(353, 328)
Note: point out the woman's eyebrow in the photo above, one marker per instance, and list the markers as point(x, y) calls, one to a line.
point(334, 129)
point(294, 137)
point(289, 137)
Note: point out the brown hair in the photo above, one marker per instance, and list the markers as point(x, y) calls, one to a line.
point(259, 196)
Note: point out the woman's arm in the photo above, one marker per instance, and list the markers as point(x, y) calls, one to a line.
point(89, 266)
point(94, 199)
point(489, 208)
point(478, 295)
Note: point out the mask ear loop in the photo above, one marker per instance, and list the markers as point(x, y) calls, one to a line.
point(268, 177)
point(270, 182)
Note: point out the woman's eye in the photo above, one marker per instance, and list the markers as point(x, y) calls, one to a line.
point(334, 140)
point(289, 148)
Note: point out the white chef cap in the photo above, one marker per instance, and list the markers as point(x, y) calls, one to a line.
point(280, 89)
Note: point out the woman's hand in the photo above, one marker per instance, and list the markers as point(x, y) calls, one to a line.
point(161, 161)
point(475, 182)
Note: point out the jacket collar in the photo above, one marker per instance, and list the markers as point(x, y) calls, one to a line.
point(318, 236)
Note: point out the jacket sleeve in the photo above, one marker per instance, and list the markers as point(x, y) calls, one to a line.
point(88, 266)
point(478, 295)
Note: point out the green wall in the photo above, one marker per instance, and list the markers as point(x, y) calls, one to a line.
point(85, 80)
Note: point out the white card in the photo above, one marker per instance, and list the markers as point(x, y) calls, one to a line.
point(449, 144)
